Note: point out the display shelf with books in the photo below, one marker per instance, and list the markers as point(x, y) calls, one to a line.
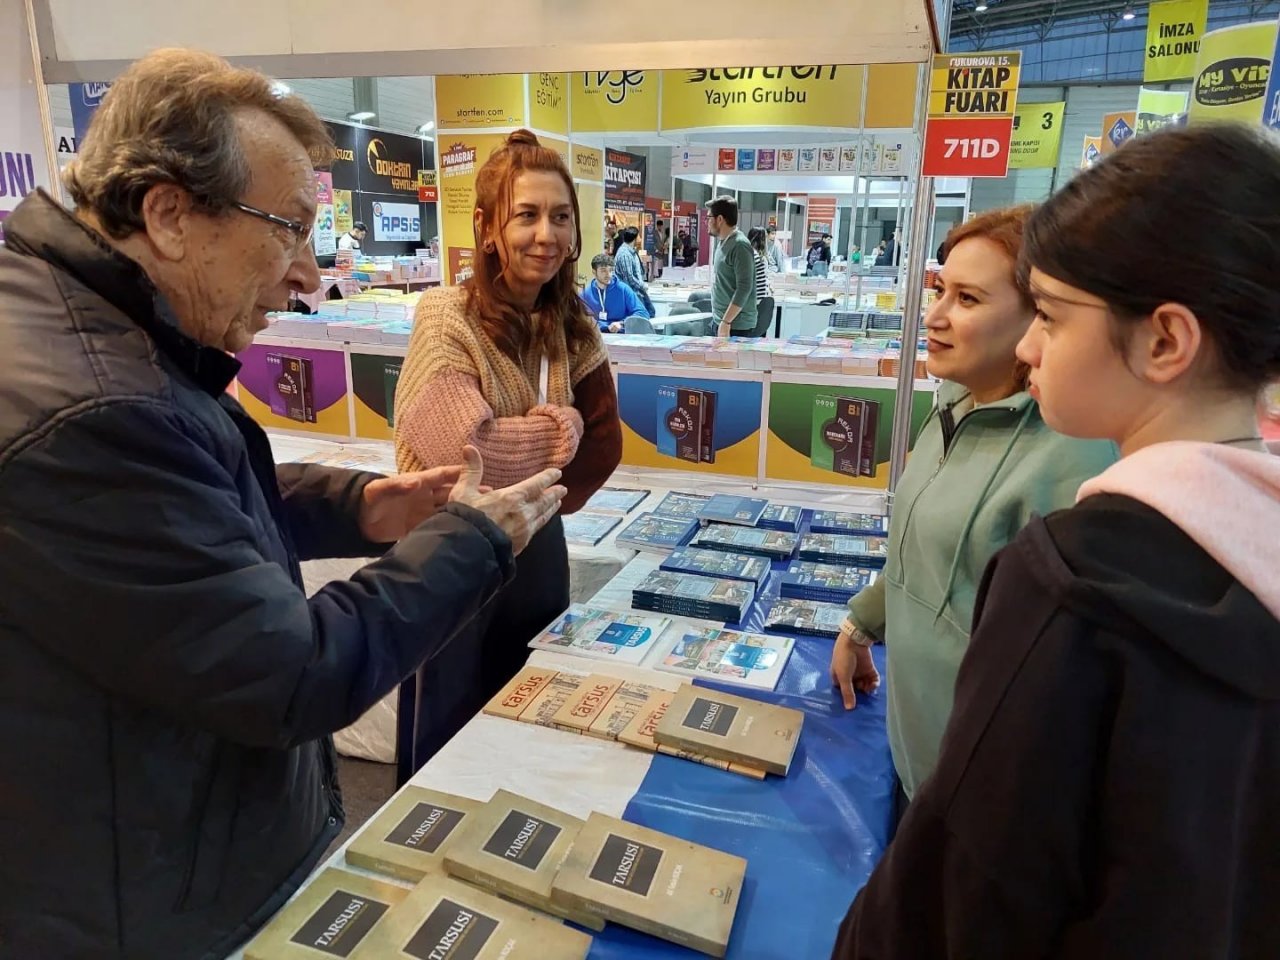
point(826, 582)
point(603, 634)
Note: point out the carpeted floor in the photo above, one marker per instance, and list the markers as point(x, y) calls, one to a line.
point(366, 786)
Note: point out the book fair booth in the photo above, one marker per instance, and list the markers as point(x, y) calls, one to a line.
point(779, 451)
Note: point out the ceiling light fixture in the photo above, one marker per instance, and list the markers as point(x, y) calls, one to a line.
point(1128, 14)
point(361, 116)
point(980, 8)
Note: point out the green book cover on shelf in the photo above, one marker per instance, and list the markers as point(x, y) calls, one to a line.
point(836, 443)
point(513, 846)
point(408, 838)
point(331, 917)
point(655, 883)
point(444, 919)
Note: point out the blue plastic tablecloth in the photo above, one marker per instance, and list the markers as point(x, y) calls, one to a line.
point(810, 839)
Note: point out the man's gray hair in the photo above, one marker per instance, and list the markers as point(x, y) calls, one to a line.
point(170, 118)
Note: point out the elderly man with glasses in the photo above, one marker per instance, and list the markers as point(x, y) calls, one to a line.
point(168, 690)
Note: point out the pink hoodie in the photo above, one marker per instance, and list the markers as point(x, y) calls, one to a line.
point(1227, 500)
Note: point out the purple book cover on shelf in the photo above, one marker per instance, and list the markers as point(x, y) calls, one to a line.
point(262, 368)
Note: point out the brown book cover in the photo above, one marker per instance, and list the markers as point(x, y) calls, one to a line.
point(653, 882)
point(625, 703)
point(546, 703)
point(331, 916)
point(513, 846)
point(408, 838)
point(513, 699)
point(444, 919)
point(640, 729)
point(588, 702)
point(732, 728)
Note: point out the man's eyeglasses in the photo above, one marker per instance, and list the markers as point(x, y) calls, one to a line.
point(301, 232)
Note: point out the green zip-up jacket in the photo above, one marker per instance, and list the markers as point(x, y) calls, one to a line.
point(957, 504)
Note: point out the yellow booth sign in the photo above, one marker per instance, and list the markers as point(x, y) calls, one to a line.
point(471, 100)
point(1174, 30)
point(1037, 135)
point(1232, 72)
point(605, 101)
point(811, 96)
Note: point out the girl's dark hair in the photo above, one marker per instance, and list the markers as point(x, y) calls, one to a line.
point(488, 296)
point(629, 234)
point(1113, 229)
point(756, 236)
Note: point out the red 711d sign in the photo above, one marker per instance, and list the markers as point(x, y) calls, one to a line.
point(971, 106)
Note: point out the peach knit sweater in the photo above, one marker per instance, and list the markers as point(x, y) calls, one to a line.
point(456, 387)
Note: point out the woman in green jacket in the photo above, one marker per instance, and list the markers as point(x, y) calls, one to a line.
point(983, 464)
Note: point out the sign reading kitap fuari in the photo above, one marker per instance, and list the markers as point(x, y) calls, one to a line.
point(972, 100)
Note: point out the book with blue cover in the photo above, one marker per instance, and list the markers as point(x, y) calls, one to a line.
point(851, 551)
point(683, 506)
point(616, 500)
point(779, 517)
point(809, 617)
point(727, 656)
point(726, 508)
point(830, 583)
point(860, 524)
point(714, 563)
point(588, 529)
point(774, 544)
point(649, 531)
point(602, 634)
point(683, 595)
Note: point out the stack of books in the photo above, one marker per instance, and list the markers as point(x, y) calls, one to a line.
point(714, 563)
point(859, 524)
point(602, 634)
point(733, 728)
point(681, 506)
point(725, 508)
point(829, 583)
point(850, 551)
point(654, 532)
point(704, 598)
point(779, 517)
point(727, 656)
point(588, 529)
point(774, 544)
point(619, 500)
point(408, 839)
point(811, 618)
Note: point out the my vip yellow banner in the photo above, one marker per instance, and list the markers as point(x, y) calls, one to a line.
point(587, 163)
point(1158, 108)
point(549, 102)
point(614, 101)
point(1037, 135)
point(474, 100)
point(815, 96)
point(1174, 31)
point(974, 84)
point(1232, 72)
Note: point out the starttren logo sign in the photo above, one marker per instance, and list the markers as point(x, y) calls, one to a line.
point(767, 91)
point(401, 174)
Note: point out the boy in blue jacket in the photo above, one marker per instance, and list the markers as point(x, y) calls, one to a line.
point(610, 301)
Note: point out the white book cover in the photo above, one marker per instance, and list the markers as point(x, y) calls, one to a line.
point(603, 634)
point(725, 656)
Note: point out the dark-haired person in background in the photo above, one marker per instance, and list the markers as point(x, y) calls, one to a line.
point(818, 259)
point(629, 268)
point(353, 239)
point(688, 250)
point(510, 363)
point(1109, 780)
point(611, 302)
point(733, 290)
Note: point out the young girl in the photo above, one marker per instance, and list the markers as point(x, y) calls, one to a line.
point(1109, 781)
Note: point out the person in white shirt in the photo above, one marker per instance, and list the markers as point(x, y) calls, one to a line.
point(773, 252)
point(353, 238)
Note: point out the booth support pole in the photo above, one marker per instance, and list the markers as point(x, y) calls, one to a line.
point(904, 400)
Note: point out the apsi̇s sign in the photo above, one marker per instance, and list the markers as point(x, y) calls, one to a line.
point(397, 222)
